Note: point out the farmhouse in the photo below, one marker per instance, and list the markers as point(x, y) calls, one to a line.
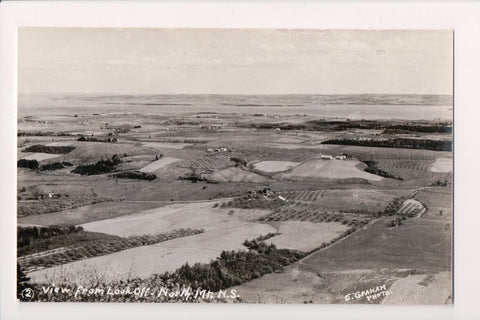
point(342, 157)
point(326, 157)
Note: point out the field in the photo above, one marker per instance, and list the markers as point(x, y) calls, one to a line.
point(154, 166)
point(209, 163)
point(225, 174)
point(312, 234)
point(336, 169)
point(40, 156)
point(442, 165)
point(235, 174)
point(274, 166)
point(421, 289)
point(374, 256)
point(411, 207)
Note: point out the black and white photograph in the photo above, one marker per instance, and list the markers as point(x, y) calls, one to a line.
point(249, 165)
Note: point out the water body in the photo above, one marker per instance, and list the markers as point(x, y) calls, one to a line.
point(355, 107)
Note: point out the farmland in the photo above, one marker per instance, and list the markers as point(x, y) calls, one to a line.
point(250, 200)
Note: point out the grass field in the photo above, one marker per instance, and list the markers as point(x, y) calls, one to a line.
point(421, 289)
point(41, 156)
point(197, 215)
point(335, 169)
point(209, 162)
point(158, 164)
point(312, 234)
point(168, 145)
point(235, 174)
point(442, 165)
point(274, 166)
point(438, 202)
point(417, 244)
point(85, 214)
point(304, 195)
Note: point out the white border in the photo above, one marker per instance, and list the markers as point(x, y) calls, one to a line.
point(459, 16)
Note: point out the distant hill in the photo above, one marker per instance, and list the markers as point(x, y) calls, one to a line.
point(276, 100)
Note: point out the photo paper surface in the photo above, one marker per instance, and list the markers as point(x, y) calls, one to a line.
point(235, 165)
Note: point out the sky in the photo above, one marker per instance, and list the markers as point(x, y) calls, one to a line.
point(233, 61)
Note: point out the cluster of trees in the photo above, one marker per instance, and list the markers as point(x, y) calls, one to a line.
point(41, 134)
point(102, 166)
point(253, 201)
point(234, 267)
point(22, 282)
point(396, 222)
point(239, 161)
point(33, 164)
point(372, 168)
point(25, 235)
point(325, 125)
point(392, 207)
point(193, 176)
point(135, 175)
point(56, 165)
point(410, 128)
point(49, 149)
point(30, 164)
point(93, 139)
point(267, 236)
point(436, 145)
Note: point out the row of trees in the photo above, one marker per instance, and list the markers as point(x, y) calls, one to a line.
point(436, 145)
point(234, 267)
point(49, 149)
point(135, 175)
point(373, 169)
point(101, 166)
point(25, 235)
